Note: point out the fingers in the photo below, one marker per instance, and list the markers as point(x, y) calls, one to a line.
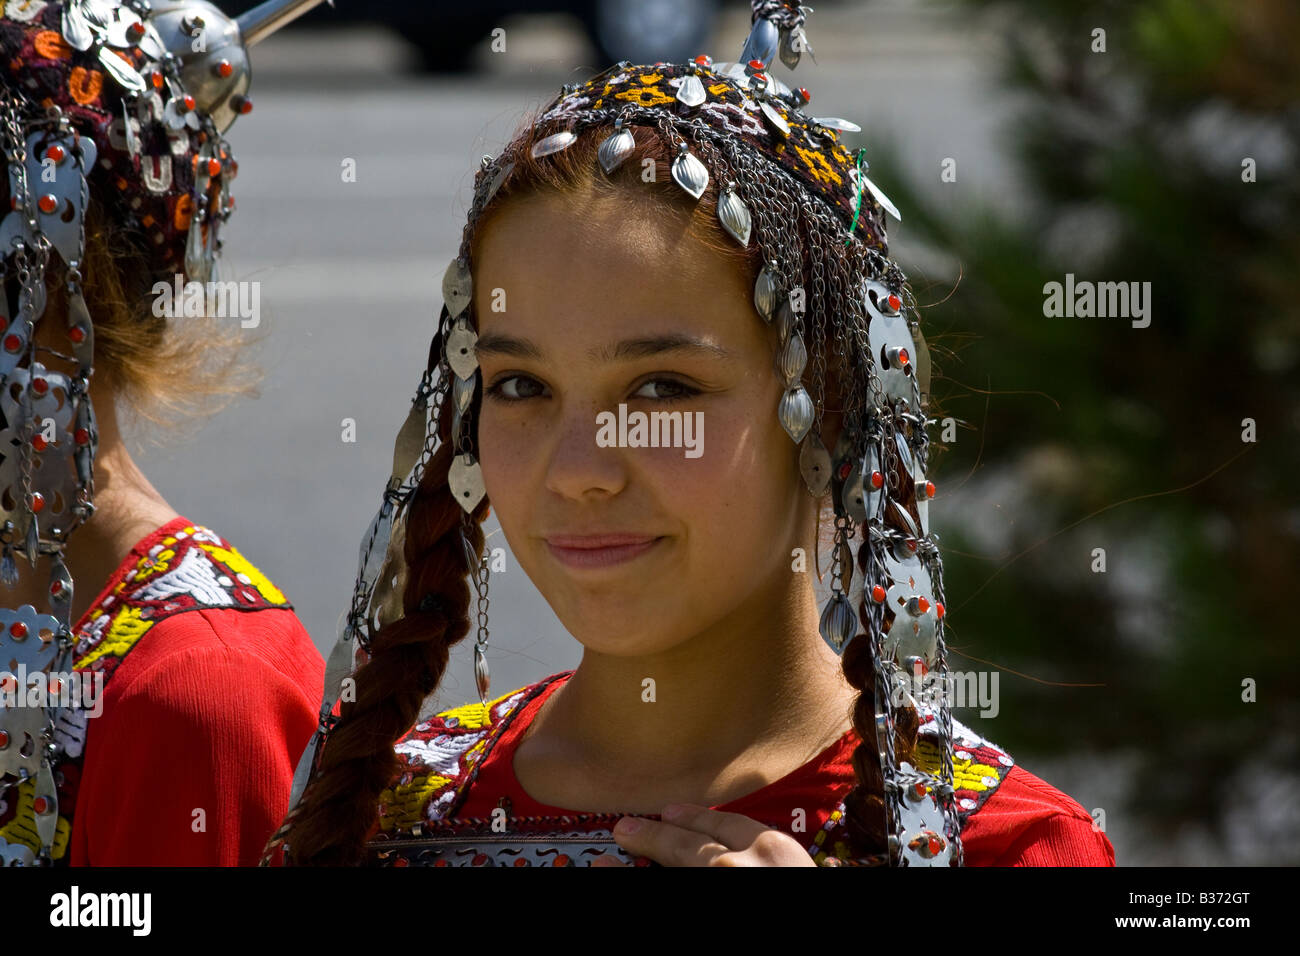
point(733, 830)
point(668, 844)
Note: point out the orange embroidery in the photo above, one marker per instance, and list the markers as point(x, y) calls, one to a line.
point(184, 211)
point(84, 85)
point(51, 45)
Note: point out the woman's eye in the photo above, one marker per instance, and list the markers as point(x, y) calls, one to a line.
point(675, 390)
point(508, 389)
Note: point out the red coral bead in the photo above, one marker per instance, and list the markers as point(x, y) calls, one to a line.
point(18, 629)
point(878, 594)
point(4, 740)
point(214, 167)
point(40, 386)
point(756, 64)
point(938, 609)
point(56, 588)
point(77, 334)
point(895, 303)
point(36, 500)
point(81, 436)
point(225, 68)
point(41, 805)
point(877, 480)
point(156, 78)
point(39, 442)
point(13, 343)
point(47, 203)
point(922, 604)
point(56, 153)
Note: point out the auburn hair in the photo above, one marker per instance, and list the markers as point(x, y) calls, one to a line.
point(339, 809)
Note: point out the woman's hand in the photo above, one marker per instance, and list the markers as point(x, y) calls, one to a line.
point(697, 836)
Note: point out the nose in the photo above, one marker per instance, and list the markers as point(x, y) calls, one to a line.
point(579, 467)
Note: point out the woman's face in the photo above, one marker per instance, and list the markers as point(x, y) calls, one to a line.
point(575, 299)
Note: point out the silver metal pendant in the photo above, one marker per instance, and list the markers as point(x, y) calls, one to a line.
point(457, 287)
point(465, 479)
point(793, 43)
point(482, 678)
point(615, 148)
point(553, 143)
point(734, 215)
point(786, 321)
point(765, 293)
point(689, 173)
point(497, 180)
point(775, 121)
point(462, 391)
point(794, 358)
point(76, 28)
point(815, 464)
point(882, 199)
point(460, 350)
point(127, 76)
point(852, 499)
point(761, 43)
point(691, 91)
point(838, 622)
point(834, 122)
point(796, 413)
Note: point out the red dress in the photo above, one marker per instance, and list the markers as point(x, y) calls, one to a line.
point(211, 689)
point(459, 770)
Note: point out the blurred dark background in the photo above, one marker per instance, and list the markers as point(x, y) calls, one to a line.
point(1123, 688)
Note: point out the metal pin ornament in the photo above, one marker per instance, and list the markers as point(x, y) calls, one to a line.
point(689, 173)
point(616, 147)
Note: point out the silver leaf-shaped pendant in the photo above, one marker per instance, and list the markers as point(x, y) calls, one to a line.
point(796, 413)
point(794, 358)
point(497, 180)
point(460, 350)
point(838, 623)
point(615, 149)
point(691, 91)
point(786, 321)
point(553, 143)
point(128, 77)
point(457, 287)
point(689, 173)
point(734, 215)
point(482, 678)
point(815, 464)
point(852, 498)
point(765, 293)
point(462, 391)
point(792, 44)
point(761, 43)
point(834, 122)
point(76, 28)
point(775, 121)
point(882, 199)
point(465, 479)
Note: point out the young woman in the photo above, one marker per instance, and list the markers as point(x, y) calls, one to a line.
point(671, 303)
point(151, 714)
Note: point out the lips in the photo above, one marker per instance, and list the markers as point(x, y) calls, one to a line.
point(599, 550)
point(592, 541)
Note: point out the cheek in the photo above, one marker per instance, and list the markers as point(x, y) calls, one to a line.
point(506, 458)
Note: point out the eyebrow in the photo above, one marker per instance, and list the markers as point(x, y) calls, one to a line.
point(494, 343)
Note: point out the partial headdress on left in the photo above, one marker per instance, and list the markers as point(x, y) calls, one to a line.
point(124, 105)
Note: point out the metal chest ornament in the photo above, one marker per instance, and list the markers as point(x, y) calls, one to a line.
point(738, 130)
point(147, 143)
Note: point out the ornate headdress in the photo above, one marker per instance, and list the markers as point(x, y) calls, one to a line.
point(121, 104)
point(785, 181)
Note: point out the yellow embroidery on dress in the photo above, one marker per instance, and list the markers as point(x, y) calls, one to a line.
point(718, 89)
point(474, 716)
point(240, 565)
point(127, 628)
point(403, 805)
point(816, 164)
point(22, 828)
point(966, 774)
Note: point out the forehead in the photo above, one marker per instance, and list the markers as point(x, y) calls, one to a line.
point(603, 263)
